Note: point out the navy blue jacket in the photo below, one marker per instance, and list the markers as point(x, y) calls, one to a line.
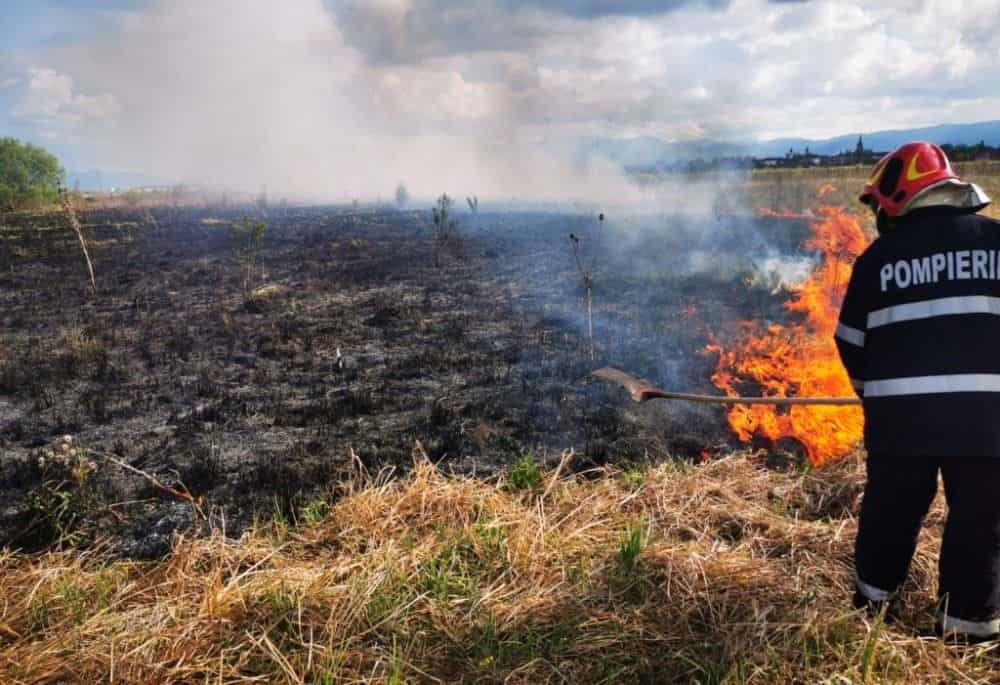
point(919, 335)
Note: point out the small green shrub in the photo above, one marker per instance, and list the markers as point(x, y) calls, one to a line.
point(314, 512)
point(525, 474)
point(57, 512)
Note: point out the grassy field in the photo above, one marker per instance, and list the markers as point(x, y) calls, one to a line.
point(778, 189)
point(721, 572)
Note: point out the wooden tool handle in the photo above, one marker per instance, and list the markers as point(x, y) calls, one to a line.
point(642, 390)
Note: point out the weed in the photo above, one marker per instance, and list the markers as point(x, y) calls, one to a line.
point(395, 675)
point(314, 512)
point(388, 597)
point(868, 655)
point(57, 506)
point(248, 236)
point(74, 599)
point(492, 537)
point(57, 512)
point(629, 548)
point(633, 478)
point(704, 669)
point(282, 600)
point(446, 576)
point(279, 517)
point(525, 474)
point(446, 236)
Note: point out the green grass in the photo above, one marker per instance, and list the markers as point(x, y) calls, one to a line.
point(629, 548)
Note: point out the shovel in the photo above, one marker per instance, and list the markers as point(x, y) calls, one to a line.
point(642, 390)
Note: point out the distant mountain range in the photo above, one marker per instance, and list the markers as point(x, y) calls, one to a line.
point(646, 151)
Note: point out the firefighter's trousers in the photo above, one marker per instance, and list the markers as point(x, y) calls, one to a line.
point(897, 495)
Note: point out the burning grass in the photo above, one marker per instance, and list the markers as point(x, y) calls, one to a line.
point(801, 359)
point(721, 573)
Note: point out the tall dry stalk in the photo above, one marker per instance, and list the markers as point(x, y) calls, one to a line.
point(74, 222)
point(150, 219)
point(587, 277)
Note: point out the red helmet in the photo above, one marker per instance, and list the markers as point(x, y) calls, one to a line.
point(902, 176)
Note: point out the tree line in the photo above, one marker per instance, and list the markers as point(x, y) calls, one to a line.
point(30, 176)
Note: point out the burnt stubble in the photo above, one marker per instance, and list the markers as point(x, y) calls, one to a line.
point(352, 340)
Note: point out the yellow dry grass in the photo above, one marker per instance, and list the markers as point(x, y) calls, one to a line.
point(720, 573)
point(797, 189)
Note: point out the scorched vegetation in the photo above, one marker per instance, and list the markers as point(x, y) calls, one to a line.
point(312, 451)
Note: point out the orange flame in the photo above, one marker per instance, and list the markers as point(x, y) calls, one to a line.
point(801, 360)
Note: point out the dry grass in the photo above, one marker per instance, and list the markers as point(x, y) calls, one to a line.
point(723, 573)
point(797, 189)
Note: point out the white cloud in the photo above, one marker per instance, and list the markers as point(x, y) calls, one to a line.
point(50, 97)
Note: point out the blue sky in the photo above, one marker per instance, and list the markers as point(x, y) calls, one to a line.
point(260, 91)
point(30, 26)
point(33, 23)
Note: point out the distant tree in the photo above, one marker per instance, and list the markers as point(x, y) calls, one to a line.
point(402, 196)
point(29, 175)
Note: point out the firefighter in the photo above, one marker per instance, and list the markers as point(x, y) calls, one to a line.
point(919, 336)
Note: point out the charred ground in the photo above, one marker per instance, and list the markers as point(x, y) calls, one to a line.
point(245, 401)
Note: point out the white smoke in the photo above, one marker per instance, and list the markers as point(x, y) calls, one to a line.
point(252, 93)
point(776, 271)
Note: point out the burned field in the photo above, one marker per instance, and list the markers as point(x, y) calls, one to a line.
point(346, 348)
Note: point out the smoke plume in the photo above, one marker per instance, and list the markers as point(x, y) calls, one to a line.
point(252, 93)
